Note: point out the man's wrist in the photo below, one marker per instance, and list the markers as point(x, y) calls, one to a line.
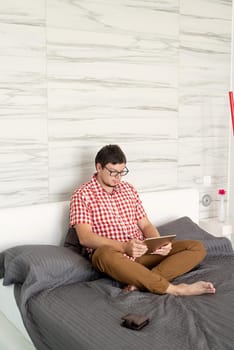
point(123, 247)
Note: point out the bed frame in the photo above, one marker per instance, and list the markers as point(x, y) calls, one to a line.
point(48, 223)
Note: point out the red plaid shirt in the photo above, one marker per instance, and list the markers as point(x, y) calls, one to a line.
point(113, 215)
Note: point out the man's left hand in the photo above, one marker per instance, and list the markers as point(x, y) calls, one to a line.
point(164, 250)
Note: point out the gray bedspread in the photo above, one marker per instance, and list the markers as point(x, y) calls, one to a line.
point(66, 305)
point(87, 315)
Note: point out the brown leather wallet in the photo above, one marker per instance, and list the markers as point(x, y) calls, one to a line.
point(134, 321)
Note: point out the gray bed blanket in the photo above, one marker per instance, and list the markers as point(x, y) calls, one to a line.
point(87, 315)
point(66, 305)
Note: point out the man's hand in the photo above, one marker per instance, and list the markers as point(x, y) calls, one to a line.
point(164, 250)
point(135, 248)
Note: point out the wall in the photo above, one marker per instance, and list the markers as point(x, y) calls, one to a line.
point(231, 134)
point(150, 76)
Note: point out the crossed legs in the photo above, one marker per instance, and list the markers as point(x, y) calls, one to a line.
point(154, 272)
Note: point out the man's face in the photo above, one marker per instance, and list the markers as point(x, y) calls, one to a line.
point(110, 175)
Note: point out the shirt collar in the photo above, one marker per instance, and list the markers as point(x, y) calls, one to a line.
point(98, 188)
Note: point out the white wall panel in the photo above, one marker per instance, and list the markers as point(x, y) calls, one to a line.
point(150, 76)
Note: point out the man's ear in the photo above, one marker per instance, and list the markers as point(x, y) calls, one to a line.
point(98, 167)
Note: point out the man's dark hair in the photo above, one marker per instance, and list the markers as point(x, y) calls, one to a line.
point(110, 154)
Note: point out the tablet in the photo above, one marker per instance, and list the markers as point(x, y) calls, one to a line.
point(157, 242)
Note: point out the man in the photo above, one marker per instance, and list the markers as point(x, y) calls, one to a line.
point(111, 223)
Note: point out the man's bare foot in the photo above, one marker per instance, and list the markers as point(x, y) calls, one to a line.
point(196, 288)
point(130, 288)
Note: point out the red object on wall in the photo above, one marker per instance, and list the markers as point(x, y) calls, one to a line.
point(232, 109)
point(222, 191)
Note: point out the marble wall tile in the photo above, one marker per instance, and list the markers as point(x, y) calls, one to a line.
point(110, 74)
point(204, 82)
point(112, 79)
point(24, 161)
point(23, 87)
point(121, 16)
point(23, 12)
point(206, 9)
point(23, 114)
point(76, 75)
point(208, 156)
point(22, 40)
point(204, 116)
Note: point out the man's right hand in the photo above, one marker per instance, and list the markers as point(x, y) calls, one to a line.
point(135, 248)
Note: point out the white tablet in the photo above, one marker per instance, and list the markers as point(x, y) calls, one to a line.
point(157, 242)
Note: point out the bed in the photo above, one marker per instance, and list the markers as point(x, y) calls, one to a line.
point(51, 298)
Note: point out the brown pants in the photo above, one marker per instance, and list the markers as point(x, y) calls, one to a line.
point(150, 272)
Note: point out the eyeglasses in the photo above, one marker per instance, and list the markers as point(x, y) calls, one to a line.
point(116, 173)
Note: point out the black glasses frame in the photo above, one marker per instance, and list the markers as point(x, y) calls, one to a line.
point(116, 173)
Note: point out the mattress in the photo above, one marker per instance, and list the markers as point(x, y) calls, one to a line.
point(9, 308)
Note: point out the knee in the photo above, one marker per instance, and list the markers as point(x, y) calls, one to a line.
point(199, 247)
point(101, 255)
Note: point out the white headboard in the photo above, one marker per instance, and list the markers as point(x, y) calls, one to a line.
point(163, 206)
point(48, 223)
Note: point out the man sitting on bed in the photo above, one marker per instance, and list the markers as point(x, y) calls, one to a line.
point(111, 223)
